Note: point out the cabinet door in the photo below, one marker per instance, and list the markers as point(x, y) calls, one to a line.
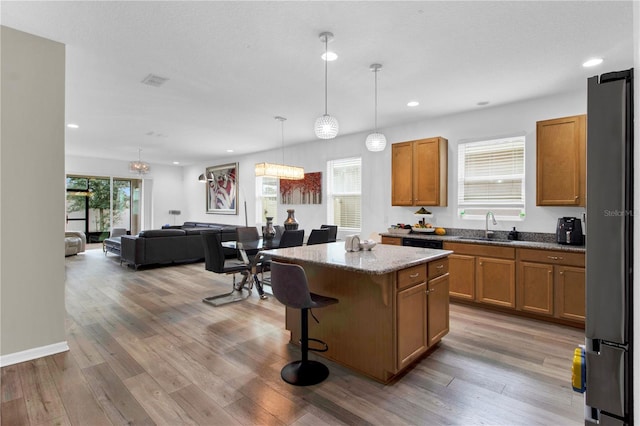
point(394, 241)
point(561, 161)
point(402, 174)
point(437, 309)
point(495, 281)
point(412, 324)
point(535, 288)
point(462, 276)
point(570, 293)
point(426, 172)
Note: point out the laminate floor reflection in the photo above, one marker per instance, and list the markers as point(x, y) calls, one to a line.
point(146, 350)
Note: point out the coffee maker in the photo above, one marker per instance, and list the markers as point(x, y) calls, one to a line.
point(569, 231)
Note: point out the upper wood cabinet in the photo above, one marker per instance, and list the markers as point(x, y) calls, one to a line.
point(561, 161)
point(419, 173)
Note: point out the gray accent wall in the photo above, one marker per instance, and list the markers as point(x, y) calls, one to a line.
point(32, 189)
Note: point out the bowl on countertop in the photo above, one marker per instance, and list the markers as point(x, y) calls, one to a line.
point(424, 230)
point(399, 231)
point(367, 244)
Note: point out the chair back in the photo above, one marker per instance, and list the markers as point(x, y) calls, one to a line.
point(291, 238)
point(118, 232)
point(213, 251)
point(318, 236)
point(333, 232)
point(247, 234)
point(289, 285)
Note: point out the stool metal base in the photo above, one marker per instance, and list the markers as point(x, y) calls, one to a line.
point(304, 373)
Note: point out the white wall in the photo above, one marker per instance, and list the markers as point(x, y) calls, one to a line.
point(161, 187)
point(32, 309)
point(376, 191)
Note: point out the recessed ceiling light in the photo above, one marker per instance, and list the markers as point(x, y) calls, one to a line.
point(592, 62)
point(176, 162)
point(413, 104)
point(72, 126)
point(229, 150)
point(483, 103)
point(329, 56)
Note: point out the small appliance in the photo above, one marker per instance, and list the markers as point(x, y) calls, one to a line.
point(569, 231)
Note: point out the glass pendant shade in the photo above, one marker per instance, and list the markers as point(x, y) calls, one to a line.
point(139, 167)
point(376, 142)
point(326, 127)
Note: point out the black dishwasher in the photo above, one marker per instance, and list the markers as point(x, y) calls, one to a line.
point(420, 242)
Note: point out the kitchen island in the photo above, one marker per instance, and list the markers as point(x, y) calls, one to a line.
point(394, 303)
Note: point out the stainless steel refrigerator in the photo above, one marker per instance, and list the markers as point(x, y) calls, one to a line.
point(609, 242)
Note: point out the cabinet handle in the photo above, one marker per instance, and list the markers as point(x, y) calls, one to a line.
point(439, 266)
point(577, 197)
point(561, 272)
point(414, 275)
point(480, 263)
point(426, 292)
point(555, 257)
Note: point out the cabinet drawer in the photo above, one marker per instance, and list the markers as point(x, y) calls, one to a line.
point(486, 250)
point(437, 268)
point(552, 257)
point(412, 276)
point(394, 241)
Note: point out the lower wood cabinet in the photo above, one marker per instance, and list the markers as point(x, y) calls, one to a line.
point(412, 324)
point(394, 241)
point(437, 309)
point(546, 283)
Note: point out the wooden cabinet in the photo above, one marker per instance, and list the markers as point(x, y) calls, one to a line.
point(561, 161)
point(495, 281)
point(419, 172)
point(437, 309)
point(482, 273)
point(422, 309)
point(394, 241)
point(551, 283)
point(462, 276)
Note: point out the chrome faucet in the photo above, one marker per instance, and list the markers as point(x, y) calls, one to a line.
point(488, 233)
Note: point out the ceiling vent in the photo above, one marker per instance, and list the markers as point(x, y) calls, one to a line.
point(154, 80)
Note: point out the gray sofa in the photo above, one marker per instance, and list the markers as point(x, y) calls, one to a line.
point(173, 244)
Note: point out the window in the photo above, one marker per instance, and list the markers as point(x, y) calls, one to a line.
point(344, 193)
point(266, 198)
point(491, 177)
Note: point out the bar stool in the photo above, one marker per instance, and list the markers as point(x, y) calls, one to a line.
point(290, 287)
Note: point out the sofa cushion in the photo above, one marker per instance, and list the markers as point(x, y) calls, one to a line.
point(156, 233)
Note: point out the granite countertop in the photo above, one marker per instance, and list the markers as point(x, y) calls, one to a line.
point(544, 244)
point(382, 259)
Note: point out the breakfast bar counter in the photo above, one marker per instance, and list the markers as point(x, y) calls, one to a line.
point(394, 303)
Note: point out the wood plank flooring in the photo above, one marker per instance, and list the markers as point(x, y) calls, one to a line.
point(145, 350)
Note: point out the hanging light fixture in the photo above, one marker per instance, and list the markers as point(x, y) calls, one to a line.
point(326, 126)
point(281, 171)
point(139, 167)
point(376, 141)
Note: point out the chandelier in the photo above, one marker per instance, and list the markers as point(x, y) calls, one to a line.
point(139, 167)
point(326, 126)
point(376, 141)
point(281, 171)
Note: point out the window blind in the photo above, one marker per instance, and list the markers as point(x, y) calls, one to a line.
point(491, 173)
point(344, 188)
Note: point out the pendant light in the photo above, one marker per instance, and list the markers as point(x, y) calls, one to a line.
point(139, 167)
point(280, 171)
point(376, 141)
point(326, 126)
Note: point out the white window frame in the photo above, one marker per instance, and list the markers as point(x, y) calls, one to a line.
point(332, 194)
point(506, 209)
point(259, 196)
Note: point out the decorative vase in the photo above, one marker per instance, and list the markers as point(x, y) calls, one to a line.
point(269, 230)
point(291, 222)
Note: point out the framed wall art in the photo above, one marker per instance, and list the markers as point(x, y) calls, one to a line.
point(305, 191)
point(222, 189)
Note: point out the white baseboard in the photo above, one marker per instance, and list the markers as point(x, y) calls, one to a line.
point(29, 354)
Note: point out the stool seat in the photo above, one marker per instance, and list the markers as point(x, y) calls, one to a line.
point(290, 287)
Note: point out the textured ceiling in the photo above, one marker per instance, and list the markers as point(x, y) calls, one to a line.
point(233, 66)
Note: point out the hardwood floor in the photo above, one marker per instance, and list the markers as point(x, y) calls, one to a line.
point(146, 350)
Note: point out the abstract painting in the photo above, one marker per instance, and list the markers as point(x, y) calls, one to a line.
point(305, 191)
point(222, 189)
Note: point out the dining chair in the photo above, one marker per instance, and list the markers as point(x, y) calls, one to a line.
point(318, 236)
point(333, 232)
